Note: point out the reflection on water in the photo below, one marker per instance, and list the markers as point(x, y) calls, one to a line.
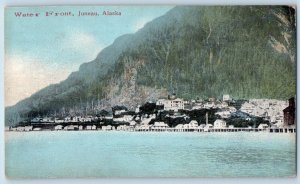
point(149, 154)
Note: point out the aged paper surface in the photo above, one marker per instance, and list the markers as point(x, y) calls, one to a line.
point(150, 91)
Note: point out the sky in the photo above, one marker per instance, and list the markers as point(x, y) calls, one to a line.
point(43, 50)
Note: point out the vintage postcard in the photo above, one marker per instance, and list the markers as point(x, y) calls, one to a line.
point(150, 91)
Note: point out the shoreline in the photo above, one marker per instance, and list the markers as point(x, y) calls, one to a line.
point(230, 130)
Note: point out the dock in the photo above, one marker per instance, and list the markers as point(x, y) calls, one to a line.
point(270, 130)
point(149, 129)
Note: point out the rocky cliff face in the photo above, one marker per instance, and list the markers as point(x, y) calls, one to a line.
point(196, 52)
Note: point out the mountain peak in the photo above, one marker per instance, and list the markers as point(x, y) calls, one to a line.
point(196, 52)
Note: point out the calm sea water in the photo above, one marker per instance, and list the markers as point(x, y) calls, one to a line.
point(149, 154)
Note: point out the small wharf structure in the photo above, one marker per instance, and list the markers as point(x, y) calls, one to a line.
point(271, 130)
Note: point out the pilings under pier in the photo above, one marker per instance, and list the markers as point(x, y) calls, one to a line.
point(164, 129)
point(271, 130)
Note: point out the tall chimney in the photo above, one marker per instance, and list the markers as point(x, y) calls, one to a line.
point(206, 116)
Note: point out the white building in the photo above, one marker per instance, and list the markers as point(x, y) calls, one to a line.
point(108, 117)
point(46, 119)
point(58, 127)
point(67, 119)
point(248, 108)
point(146, 121)
point(28, 128)
point(143, 127)
point(122, 127)
point(207, 127)
point(201, 126)
point(226, 98)
point(174, 105)
point(160, 125)
point(108, 127)
point(36, 120)
point(209, 105)
point(13, 129)
point(56, 120)
point(270, 109)
point(193, 124)
point(118, 112)
point(263, 126)
point(71, 127)
point(231, 126)
point(224, 114)
point(197, 106)
point(220, 123)
point(21, 129)
point(76, 119)
point(186, 126)
point(279, 124)
point(222, 105)
point(137, 110)
point(125, 118)
point(132, 123)
point(179, 126)
point(87, 119)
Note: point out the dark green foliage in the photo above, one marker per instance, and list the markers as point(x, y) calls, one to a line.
point(210, 51)
point(173, 122)
point(103, 113)
point(200, 115)
point(118, 108)
point(148, 108)
point(245, 51)
point(243, 120)
point(237, 103)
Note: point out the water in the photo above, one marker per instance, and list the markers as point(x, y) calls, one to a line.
point(149, 154)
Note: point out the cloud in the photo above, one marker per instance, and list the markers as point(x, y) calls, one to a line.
point(82, 40)
point(83, 44)
point(141, 23)
point(25, 75)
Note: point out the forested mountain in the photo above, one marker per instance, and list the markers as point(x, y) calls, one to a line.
point(195, 52)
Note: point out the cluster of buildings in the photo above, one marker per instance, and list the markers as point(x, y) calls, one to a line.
point(175, 104)
point(278, 113)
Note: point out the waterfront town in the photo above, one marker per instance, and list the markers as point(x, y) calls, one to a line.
point(174, 114)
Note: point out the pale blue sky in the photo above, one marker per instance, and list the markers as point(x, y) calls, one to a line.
point(193, 181)
point(44, 50)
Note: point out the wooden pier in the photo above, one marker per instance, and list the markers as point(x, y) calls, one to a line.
point(156, 129)
point(271, 130)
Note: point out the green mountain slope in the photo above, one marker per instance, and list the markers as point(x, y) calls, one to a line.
point(196, 52)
